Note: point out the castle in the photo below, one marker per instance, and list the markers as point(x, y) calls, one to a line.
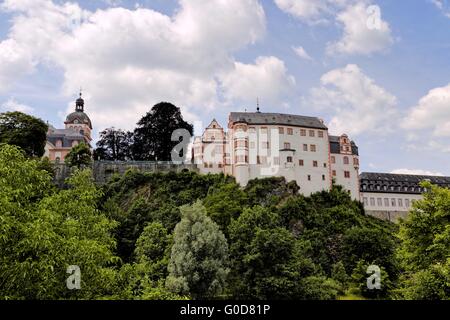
point(298, 148)
point(258, 145)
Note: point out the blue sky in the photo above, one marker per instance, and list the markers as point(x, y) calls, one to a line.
point(378, 70)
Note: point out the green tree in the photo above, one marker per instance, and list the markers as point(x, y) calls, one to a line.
point(224, 204)
point(24, 131)
point(269, 263)
point(425, 246)
point(199, 260)
point(80, 156)
point(44, 231)
point(153, 135)
point(114, 145)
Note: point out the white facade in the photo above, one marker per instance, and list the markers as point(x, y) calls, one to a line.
point(259, 145)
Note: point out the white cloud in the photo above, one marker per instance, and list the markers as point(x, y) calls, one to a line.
point(432, 112)
point(127, 60)
point(13, 105)
point(443, 6)
point(301, 52)
point(15, 61)
point(357, 103)
point(312, 11)
point(364, 31)
point(417, 172)
point(267, 79)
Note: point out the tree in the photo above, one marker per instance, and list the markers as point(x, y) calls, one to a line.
point(269, 263)
point(24, 131)
point(79, 156)
point(425, 246)
point(199, 260)
point(153, 135)
point(44, 231)
point(224, 204)
point(114, 145)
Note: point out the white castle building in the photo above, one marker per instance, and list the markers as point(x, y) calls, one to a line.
point(299, 148)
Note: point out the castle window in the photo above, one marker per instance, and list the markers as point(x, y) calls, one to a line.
point(393, 202)
point(309, 177)
point(324, 165)
point(287, 145)
point(379, 202)
point(290, 131)
point(312, 133)
point(303, 132)
point(320, 134)
point(323, 177)
point(356, 161)
point(386, 202)
point(347, 174)
point(407, 204)
point(281, 130)
point(346, 161)
point(372, 202)
point(400, 202)
point(315, 164)
point(334, 173)
point(305, 147)
point(333, 159)
point(313, 148)
point(366, 202)
point(301, 163)
point(289, 159)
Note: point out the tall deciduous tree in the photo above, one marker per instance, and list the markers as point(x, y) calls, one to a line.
point(153, 136)
point(114, 145)
point(79, 156)
point(198, 263)
point(425, 246)
point(44, 231)
point(24, 131)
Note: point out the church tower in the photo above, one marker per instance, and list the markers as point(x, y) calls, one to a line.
point(79, 120)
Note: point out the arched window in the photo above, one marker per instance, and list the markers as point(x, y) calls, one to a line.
point(346, 161)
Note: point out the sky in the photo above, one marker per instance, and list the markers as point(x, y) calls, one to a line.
point(377, 70)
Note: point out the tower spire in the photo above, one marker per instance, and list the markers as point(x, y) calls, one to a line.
point(79, 105)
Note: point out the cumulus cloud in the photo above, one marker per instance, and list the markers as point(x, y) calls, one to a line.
point(301, 52)
point(357, 103)
point(128, 60)
point(365, 32)
point(417, 172)
point(267, 79)
point(432, 112)
point(15, 62)
point(13, 105)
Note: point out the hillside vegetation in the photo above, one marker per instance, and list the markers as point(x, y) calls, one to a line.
point(191, 236)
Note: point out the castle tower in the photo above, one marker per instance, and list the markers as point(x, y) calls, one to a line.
point(79, 120)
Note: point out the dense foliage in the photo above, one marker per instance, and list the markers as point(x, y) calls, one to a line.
point(24, 131)
point(185, 235)
point(114, 145)
point(153, 134)
point(79, 156)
